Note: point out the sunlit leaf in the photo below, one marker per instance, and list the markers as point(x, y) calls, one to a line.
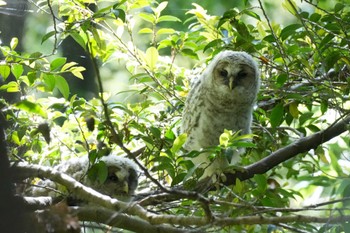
point(10, 87)
point(5, 71)
point(161, 7)
point(178, 143)
point(17, 70)
point(79, 39)
point(290, 6)
point(152, 57)
point(168, 18)
point(49, 81)
point(147, 17)
point(165, 31)
point(57, 63)
point(76, 71)
point(62, 85)
point(68, 66)
point(146, 31)
point(14, 43)
point(31, 107)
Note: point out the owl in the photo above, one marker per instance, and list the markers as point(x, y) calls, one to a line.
point(222, 98)
point(121, 181)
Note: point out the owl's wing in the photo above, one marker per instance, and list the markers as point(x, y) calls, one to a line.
point(191, 113)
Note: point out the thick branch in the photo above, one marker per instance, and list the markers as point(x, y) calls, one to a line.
point(300, 146)
point(120, 220)
point(85, 193)
point(252, 220)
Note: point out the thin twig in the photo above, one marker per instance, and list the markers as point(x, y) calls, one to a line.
point(54, 26)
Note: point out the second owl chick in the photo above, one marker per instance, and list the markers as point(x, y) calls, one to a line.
point(121, 182)
point(222, 98)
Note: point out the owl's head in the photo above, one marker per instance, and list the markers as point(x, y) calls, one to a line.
point(233, 73)
point(122, 179)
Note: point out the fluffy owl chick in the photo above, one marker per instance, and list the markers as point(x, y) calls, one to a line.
point(222, 98)
point(121, 182)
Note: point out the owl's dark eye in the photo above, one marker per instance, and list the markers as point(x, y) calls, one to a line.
point(242, 74)
point(223, 73)
point(112, 178)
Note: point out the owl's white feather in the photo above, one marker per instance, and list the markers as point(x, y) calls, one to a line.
point(121, 182)
point(222, 98)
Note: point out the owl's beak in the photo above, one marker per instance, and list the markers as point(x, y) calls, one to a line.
point(231, 82)
point(126, 187)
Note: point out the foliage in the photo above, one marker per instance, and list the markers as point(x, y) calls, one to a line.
point(305, 89)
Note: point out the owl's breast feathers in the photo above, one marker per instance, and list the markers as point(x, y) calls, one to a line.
point(206, 117)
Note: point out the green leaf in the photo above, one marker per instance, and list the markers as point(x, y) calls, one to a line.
point(293, 109)
point(178, 143)
point(325, 41)
point(276, 116)
point(168, 18)
point(62, 86)
point(146, 31)
point(281, 79)
point(147, 17)
point(214, 43)
point(251, 13)
point(68, 66)
point(57, 63)
point(76, 71)
point(49, 81)
point(10, 87)
point(31, 107)
point(79, 39)
point(99, 172)
point(338, 7)
point(261, 181)
point(47, 36)
point(119, 14)
point(190, 53)
point(290, 6)
point(289, 30)
point(165, 31)
point(160, 7)
point(5, 71)
point(17, 70)
point(14, 43)
point(152, 57)
point(332, 58)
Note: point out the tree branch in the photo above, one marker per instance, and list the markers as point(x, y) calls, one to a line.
point(300, 146)
point(120, 220)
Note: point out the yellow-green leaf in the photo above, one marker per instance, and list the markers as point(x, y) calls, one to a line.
point(5, 71)
point(17, 70)
point(168, 18)
point(10, 87)
point(160, 7)
point(146, 31)
point(68, 65)
point(178, 143)
point(152, 57)
point(165, 31)
point(14, 43)
point(225, 137)
point(293, 109)
point(28, 106)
